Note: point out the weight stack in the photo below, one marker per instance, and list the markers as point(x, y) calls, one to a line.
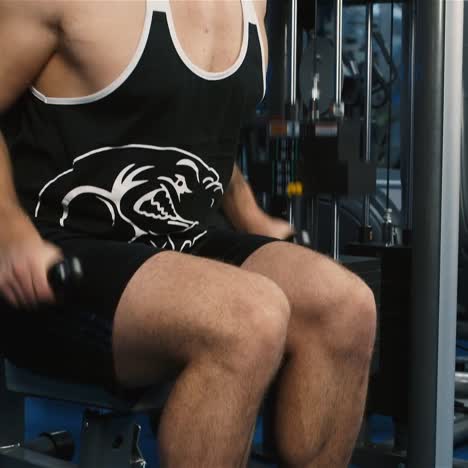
point(331, 159)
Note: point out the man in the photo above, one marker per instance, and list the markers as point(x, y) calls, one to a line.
point(120, 149)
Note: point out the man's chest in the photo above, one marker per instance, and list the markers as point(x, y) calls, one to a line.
point(101, 37)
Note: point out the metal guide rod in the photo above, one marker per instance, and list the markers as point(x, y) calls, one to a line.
point(338, 112)
point(369, 65)
point(336, 230)
point(339, 50)
point(285, 95)
point(409, 208)
point(293, 95)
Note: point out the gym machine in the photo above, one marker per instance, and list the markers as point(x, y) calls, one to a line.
point(416, 325)
point(309, 151)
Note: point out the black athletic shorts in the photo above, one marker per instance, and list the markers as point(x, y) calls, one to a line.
point(74, 341)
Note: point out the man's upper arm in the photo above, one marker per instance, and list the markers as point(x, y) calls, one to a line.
point(29, 36)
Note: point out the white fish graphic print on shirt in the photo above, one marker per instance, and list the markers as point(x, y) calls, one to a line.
point(154, 194)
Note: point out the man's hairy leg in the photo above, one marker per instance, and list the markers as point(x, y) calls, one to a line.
point(224, 329)
point(321, 389)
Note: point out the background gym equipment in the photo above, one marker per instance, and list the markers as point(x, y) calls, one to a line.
point(405, 222)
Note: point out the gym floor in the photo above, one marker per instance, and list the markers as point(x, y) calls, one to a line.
point(42, 415)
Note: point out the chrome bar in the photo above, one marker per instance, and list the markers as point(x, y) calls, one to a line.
point(339, 50)
point(293, 94)
point(369, 65)
point(336, 228)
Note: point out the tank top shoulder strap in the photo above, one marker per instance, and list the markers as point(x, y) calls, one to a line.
point(250, 14)
point(158, 5)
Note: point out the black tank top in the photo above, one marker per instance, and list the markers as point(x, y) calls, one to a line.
point(147, 158)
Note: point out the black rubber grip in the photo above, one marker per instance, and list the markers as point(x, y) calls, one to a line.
point(64, 277)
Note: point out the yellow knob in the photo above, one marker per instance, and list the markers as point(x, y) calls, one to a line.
point(295, 189)
point(299, 188)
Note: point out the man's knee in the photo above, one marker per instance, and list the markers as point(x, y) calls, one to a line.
point(365, 315)
point(269, 312)
point(258, 336)
point(357, 318)
point(341, 312)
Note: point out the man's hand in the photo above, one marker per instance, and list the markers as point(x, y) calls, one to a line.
point(241, 208)
point(23, 272)
point(265, 225)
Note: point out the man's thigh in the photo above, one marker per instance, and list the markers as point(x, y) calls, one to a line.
point(301, 272)
point(321, 291)
point(140, 311)
point(178, 306)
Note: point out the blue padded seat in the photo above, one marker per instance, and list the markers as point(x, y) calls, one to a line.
point(28, 383)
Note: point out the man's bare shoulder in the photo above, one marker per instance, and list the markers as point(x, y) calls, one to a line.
point(260, 7)
point(31, 30)
point(46, 11)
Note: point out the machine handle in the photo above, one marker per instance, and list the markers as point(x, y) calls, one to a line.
point(64, 277)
